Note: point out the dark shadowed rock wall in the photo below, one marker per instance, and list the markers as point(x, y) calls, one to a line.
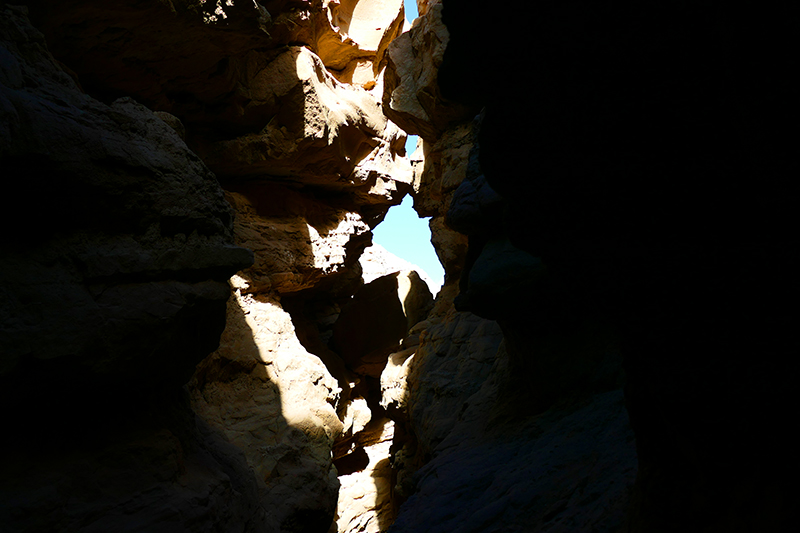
point(116, 246)
point(644, 163)
point(509, 400)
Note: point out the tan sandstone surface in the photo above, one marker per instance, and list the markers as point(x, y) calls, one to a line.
point(247, 148)
point(376, 261)
point(281, 101)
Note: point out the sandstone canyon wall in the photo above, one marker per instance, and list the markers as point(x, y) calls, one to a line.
point(516, 427)
point(632, 202)
point(195, 339)
point(140, 399)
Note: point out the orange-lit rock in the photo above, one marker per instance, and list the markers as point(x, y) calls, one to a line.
point(276, 402)
point(295, 248)
point(315, 130)
point(411, 97)
point(353, 43)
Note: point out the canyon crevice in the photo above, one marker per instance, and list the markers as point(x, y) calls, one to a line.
point(198, 334)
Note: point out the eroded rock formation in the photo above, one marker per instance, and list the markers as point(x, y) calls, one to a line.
point(604, 224)
point(136, 240)
point(506, 434)
point(110, 296)
point(196, 335)
point(376, 261)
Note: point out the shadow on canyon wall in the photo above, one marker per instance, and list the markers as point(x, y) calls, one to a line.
point(370, 326)
point(648, 168)
point(237, 390)
point(105, 314)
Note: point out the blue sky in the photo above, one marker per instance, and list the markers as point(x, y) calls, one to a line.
point(406, 235)
point(411, 9)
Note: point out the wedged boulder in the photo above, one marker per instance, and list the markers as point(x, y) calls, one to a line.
point(377, 261)
point(378, 318)
point(310, 129)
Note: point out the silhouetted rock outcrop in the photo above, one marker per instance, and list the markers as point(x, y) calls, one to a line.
point(514, 417)
point(646, 174)
point(117, 244)
point(119, 290)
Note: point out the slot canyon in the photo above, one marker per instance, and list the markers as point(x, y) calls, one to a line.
point(197, 333)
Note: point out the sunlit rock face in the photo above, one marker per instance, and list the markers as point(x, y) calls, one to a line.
point(411, 93)
point(312, 129)
point(275, 401)
point(281, 101)
point(302, 242)
point(353, 44)
point(376, 261)
point(366, 499)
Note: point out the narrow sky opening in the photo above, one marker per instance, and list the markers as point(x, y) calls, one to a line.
point(407, 236)
point(411, 144)
point(402, 232)
point(411, 9)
